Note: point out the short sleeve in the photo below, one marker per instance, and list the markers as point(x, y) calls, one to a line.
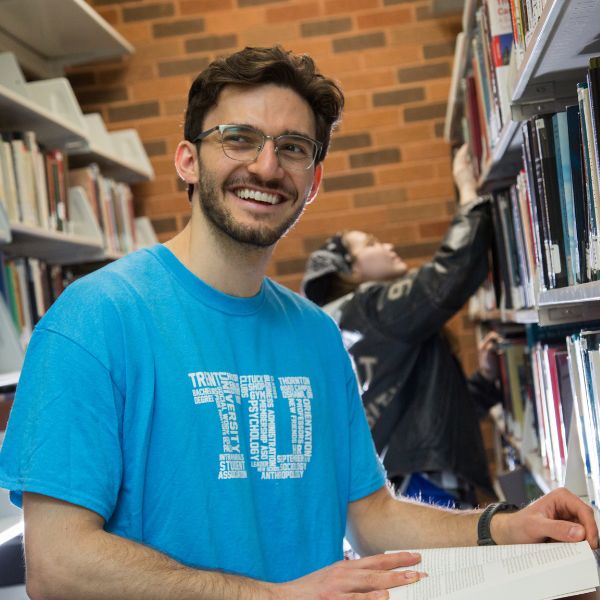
point(63, 438)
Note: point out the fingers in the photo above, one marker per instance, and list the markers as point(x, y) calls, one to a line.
point(393, 560)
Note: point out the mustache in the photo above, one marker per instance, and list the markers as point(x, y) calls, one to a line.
point(272, 186)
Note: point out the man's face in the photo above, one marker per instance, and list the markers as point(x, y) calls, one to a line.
point(255, 203)
point(372, 260)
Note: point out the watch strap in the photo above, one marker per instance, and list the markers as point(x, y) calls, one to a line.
point(484, 535)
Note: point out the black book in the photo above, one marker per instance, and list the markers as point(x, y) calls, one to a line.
point(501, 257)
point(578, 183)
point(549, 196)
point(534, 173)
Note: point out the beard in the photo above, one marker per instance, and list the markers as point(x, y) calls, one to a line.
point(215, 210)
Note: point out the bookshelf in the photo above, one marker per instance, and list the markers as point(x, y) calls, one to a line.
point(49, 35)
point(548, 61)
point(555, 60)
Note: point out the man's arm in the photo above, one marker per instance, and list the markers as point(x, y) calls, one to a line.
point(70, 557)
point(381, 522)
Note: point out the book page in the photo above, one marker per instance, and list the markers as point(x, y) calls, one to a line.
point(527, 571)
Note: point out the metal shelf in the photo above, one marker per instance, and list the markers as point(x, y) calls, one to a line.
point(52, 246)
point(18, 113)
point(557, 55)
point(110, 166)
point(9, 379)
point(48, 35)
point(571, 304)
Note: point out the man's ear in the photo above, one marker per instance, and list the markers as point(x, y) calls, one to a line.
point(316, 183)
point(186, 163)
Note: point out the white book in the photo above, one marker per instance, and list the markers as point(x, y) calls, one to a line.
point(10, 184)
point(515, 572)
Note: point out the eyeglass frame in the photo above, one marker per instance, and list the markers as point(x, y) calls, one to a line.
point(204, 134)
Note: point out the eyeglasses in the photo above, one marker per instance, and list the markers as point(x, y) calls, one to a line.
point(245, 143)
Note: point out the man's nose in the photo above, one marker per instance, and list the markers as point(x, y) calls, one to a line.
point(267, 164)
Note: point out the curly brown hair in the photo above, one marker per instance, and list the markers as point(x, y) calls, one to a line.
point(257, 66)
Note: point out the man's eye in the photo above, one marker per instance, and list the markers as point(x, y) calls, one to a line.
point(296, 148)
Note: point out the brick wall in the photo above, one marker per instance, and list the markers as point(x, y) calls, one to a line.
point(388, 171)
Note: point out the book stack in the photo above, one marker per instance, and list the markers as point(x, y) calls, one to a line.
point(112, 205)
point(486, 85)
point(28, 287)
point(547, 232)
point(525, 15)
point(584, 364)
point(33, 186)
point(554, 405)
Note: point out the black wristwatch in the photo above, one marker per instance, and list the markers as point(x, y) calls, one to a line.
point(484, 536)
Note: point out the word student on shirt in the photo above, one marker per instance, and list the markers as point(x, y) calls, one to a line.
point(185, 428)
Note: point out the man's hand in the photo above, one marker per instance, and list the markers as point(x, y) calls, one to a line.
point(464, 177)
point(363, 579)
point(559, 516)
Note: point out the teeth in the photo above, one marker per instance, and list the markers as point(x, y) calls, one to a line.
point(247, 194)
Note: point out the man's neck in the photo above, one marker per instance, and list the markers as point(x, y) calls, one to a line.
point(222, 263)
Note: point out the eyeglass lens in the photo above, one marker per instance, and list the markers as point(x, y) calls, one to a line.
point(245, 143)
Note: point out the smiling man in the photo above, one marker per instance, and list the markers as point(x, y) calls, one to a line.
point(185, 428)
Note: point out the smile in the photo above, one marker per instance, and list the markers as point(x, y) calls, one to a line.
point(247, 194)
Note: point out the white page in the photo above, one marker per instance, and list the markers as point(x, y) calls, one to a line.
point(518, 572)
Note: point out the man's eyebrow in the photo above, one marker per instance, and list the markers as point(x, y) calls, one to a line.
point(295, 132)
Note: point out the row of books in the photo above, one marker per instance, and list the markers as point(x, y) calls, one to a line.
point(28, 287)
point(33, 183)
point(111, 203)
point(547, 223)
point(537, 381)
point(486, 87)
point(525, 15)
point(35, 190)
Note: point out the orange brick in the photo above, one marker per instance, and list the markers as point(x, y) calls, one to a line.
point(332, 65)
point(162, 49)
point(427, 150)
point(438, 90)
point(159, 186)
point(356, 102)
point(385, 57)
point(155, 88)
point(404, 174)
point(159, 127)
point(200, 7)
point(296, 12)
point(335, 163)
point(384, 18)
point(441, 188)
point(357, 219)
point(368, 80)
point(136, 33)
point(402, 134)
point(371, 119)
point(268, 34)
point(164, 205)
point(329, 203)
point(333, 7)
point(163, 165)
point(437, 31)
point(230, 21)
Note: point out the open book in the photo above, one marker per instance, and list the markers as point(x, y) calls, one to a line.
point(518, 572)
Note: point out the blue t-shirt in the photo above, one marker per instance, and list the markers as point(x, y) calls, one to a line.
point(225, 432)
